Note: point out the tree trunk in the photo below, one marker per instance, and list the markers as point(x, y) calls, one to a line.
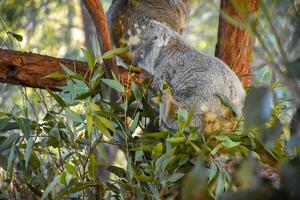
point(235, 44)
point(28, 69)
point(187, 3)
point(99, 18)
point(88, 27)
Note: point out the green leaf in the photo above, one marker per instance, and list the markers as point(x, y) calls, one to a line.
point(34, 161)
point(28, 151)
point(114, 84)
point(107, 124)
point(59, 100)
point(24, 126)
point(229, 143)
point(4, 122)
point(135, 122)
point(50, 187)
point(216, 149)
point(136, 91)
point(83, 95)
point(114, 52)
point(71, 169)
point(73, 116)
point(62, 179)
point(10, 161)
point(227, 102)
point(77, 77)
point(212, 171)
point(176, 140)
point(67, 69)
point(18, 37)
point(56, 75)
point(156, 135)
point(120, 172)
point(2, 114)
point(101, 127)
point(89, 120)
point(142, 178)
point(175, 177)
point(73, 189)
point(90, 58)
point(9, 141)
point(220, 187)
point(195, 146)
point(157, 150)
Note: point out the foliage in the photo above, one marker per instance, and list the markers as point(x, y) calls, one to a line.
point(55, 157)
point(54, 154)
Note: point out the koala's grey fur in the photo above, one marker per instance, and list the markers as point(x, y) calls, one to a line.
point(195, 78)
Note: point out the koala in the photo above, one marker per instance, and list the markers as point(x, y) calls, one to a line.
point(197, 80)
point(127, 18)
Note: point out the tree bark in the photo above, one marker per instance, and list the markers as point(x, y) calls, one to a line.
point(88, 27)
point(235, 44)
point(28, 69)
point(187, 3)
point(99, 18)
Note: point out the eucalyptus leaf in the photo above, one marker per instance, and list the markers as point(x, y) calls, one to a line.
point(10, 162)
point(56, 75)
point(114, 84)
point(90, 58)
point(28, 150)
point(59, 100)
point(71, 169)
point(50, 187)
point(175, 177)
point(135, 122)
point(114, 52)
point(13, 137)
point(73, 116)
point(18, 37)
point(120, 172)
point(73, 189)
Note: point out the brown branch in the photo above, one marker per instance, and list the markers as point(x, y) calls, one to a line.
point(99, 18)
point(235, 44)
point(28, 69)
point(186, 3)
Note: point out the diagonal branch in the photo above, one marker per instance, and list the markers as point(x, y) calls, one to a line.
point(28, 69)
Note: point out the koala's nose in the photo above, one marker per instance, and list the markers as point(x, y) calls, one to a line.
point(135, 62)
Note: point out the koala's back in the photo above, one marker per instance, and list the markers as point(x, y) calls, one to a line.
point(127, 18)
point(198, 79)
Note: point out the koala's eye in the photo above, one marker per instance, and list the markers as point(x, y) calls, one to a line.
point(142, 54)
point(181, 30)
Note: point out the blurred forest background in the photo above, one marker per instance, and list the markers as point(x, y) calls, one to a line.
point(61, 28)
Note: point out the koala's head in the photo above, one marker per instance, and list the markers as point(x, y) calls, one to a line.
point(145, 55)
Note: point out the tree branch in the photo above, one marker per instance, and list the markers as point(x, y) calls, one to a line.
point(28, 69)
point(235, 44)
point(186, 3)
point(99, 18)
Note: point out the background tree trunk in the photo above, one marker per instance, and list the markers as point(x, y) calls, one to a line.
point(235, 44)
point(88, 27)
point(99, 18)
